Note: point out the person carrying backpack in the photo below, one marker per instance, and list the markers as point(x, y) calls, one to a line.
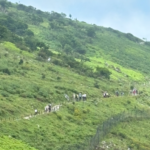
point(49, 107)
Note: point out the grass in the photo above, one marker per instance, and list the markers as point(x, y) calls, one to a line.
point(33, 84)
point(11, 47)
point(25, 90)
point(70, 125)
point(133, 134)
point(132, 75)
point(11, 143)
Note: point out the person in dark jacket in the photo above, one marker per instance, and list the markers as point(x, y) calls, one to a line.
point(50, 106)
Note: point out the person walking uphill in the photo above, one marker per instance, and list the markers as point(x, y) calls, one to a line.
point(77, 97)
point(74, 96)
point(49, 107)
point(117, 93)
point(84, 97)
point(35, 112)
point(80, 96)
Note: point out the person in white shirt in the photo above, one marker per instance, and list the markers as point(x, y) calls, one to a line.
point(35, 112)
point(84, 97)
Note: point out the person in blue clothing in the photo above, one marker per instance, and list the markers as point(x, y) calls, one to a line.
point(117, 93)
point(80, 96)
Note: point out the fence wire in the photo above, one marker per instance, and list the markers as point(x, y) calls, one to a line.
point(103, 129)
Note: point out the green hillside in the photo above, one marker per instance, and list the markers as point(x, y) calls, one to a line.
point(44, 56)
point(75, 38)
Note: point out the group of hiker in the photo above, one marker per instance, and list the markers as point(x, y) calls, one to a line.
point(117, 93)
point(80, 96)
point(133, 92)
point(105, 94)
point(77, 97)
point(48, 108)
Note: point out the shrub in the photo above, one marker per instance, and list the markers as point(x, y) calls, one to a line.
point(25, 67)
point(6, 54)
point(84, 111)
point(43, 76)
point(5, 94)
point(7, 71)
point(59, 116)
point(58, 92)
point(77, 112)
point(103, 72)
point(25, 95)
point(21, 62)
point(128, 102)
point(131, 87)
point(39, 58)
point(122, 135)
point(58, 62)
point(96, 85)
point(58, 78)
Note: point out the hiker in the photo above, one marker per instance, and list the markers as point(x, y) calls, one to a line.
point(134, 92)
point(77, 97)
point(122, 93)
point(56, 108)
point(35, 112)
point(74, 96)
point(84, 97)
point(117, 93)
point(104, 94)
point(107, 95)
point(49, 107)
point(80, 96)
point(67, 97)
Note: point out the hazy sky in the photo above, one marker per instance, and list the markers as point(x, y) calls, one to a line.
point(129, 16)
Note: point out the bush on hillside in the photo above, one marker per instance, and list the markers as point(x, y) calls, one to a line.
point(104, 72)
point(96, 85)
point(44, 53)
point(3, 32)
point(21, 62)
point(4, 93)
point(132, 38)
point(6, 71)
point(91, 32)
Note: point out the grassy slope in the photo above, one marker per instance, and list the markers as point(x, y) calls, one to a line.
point(26, 89)
point(56, 129)
point(10, 143)
point(109, 47)
point(71, 125)
point(134, 73)
point(28, 75)
point(133, 134)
